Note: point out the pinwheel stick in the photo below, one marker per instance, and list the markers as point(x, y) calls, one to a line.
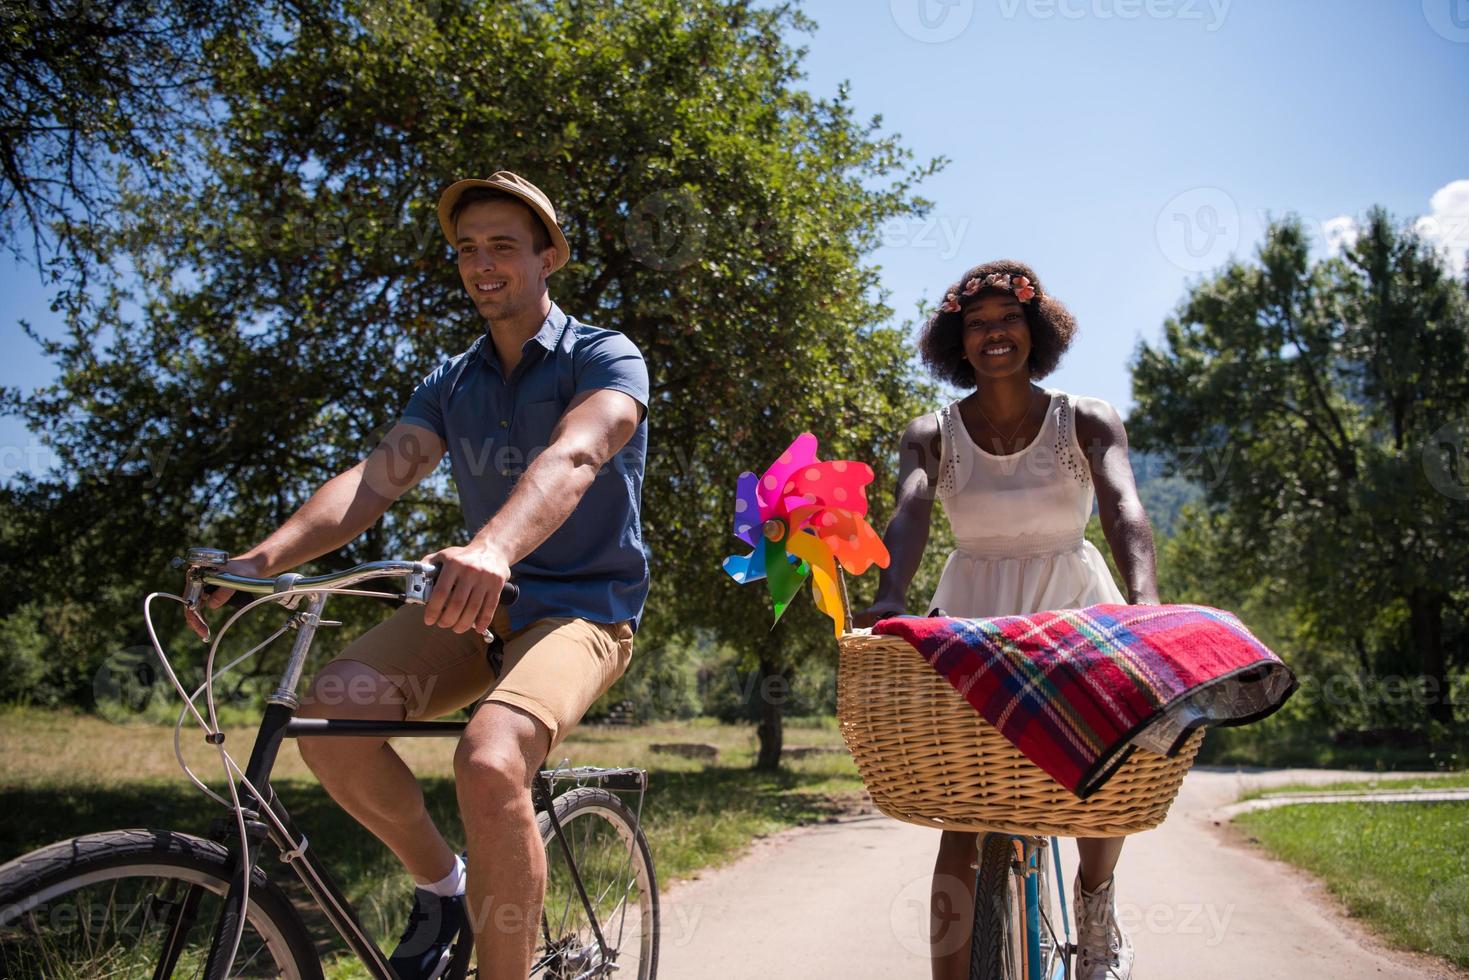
point(846, 600)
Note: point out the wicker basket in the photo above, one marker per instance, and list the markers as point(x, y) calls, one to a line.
point(929, 758)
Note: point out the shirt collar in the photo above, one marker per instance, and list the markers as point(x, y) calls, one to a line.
point(548, 337)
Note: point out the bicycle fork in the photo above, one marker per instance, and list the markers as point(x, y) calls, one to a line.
point(279, 709)
point(257, 772)
point(1030, 859)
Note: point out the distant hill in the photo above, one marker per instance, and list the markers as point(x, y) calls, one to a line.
point(1162, 496)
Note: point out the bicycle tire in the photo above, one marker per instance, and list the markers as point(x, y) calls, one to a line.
point(567, 947)
point(53, 925)
point(995, 947)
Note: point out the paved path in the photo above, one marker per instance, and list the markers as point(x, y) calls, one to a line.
point(849, 900)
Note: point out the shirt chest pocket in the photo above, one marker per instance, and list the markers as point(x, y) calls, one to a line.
point(534, 423)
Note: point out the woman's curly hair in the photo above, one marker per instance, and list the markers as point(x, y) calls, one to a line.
point(1051, 327)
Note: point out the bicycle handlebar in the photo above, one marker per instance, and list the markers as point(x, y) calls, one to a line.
point(204, 571)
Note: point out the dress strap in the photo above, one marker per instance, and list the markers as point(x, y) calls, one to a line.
point(1068, 443)
point(948, 480)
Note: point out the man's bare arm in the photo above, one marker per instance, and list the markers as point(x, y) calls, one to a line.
point(345, 506)
point(593, 429)
point(351, 502)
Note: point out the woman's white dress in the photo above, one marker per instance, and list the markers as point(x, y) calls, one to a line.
point(1018, 522)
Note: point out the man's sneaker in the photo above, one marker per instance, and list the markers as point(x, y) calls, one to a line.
point(1103, 951)
point(433, 925)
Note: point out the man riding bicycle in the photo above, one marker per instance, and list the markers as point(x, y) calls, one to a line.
point(544, 422)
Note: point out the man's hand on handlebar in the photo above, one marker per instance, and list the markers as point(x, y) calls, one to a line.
point(216, 597)
point(466, 591)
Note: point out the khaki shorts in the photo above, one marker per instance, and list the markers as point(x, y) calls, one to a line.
point(553, 669)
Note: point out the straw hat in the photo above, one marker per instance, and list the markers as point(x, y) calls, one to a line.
point(517, 186)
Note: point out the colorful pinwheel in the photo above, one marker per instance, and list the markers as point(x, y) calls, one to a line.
point(803, 517)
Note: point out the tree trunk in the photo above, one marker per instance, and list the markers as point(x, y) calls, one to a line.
point(774, 688)
point(1425, 611)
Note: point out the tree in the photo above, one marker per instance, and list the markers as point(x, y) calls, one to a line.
point(1319, 394)
point(98, 94)
point(288, 298)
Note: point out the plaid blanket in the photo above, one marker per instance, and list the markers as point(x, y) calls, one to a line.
point(1076, 690)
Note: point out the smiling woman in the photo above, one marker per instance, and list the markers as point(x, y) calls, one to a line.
point(1050, 324)
point(1017, 468)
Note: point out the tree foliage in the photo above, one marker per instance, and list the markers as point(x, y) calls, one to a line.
point(1314, 402)
point(94, 92)
point(270, 314)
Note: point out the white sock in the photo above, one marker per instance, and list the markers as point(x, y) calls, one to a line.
point(449, 885)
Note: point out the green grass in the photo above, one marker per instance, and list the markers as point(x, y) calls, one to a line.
point(1385, 784)
point(70, 774)
point(1404, 869)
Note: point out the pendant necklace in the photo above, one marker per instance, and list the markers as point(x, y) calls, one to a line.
point(996, 429)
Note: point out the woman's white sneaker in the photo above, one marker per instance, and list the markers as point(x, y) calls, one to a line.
point(1103, 951)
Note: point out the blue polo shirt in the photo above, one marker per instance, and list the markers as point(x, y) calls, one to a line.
point(594, 566)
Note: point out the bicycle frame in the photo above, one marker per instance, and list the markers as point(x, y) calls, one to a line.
point(263, 816)
point(294, 848)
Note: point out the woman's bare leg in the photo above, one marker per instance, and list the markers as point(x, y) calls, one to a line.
point(1098, 859)
point(951, 905)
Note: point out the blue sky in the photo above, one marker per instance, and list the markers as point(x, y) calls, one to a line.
point(1120, 147)
point(1123, 148)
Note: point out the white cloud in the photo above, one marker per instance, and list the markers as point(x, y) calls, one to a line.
point(1447, 225)
point(1339, 232)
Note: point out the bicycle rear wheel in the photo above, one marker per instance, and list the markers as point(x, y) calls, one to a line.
point(118, 904)
point(616, 871)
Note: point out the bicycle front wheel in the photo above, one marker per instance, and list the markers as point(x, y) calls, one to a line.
point(138, 904)
point(997, 949)
point(615, 870)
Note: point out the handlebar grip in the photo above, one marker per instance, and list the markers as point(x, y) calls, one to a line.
point(509, 592)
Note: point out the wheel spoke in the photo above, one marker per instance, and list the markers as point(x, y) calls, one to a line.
point(93, 915)
point(609, 860)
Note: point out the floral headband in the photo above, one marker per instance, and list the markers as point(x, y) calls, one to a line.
point(1019, 285)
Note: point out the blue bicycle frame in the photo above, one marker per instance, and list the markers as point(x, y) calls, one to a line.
point(1034, 961)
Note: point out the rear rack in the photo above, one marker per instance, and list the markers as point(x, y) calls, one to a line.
point(625, 779)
